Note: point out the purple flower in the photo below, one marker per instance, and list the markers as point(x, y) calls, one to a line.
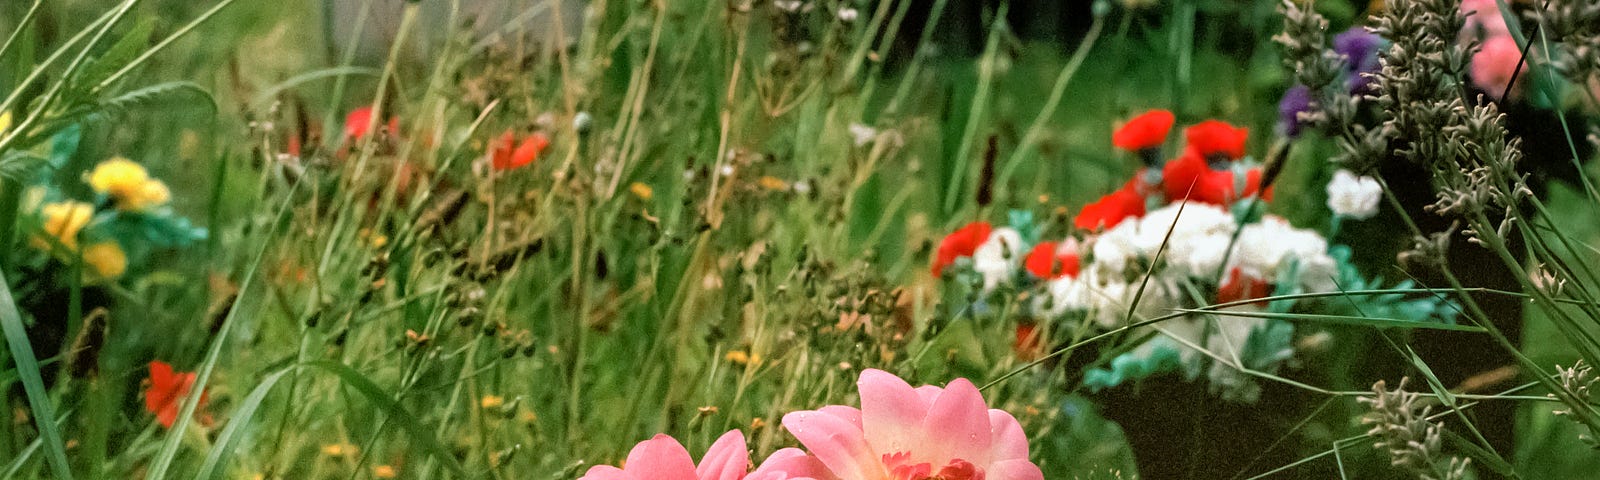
point(1296, 100)
point(1360, 49)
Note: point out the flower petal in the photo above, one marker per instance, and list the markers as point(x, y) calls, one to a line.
point(1007, 440)
point(957, 427)
point(727, 459)
point(1018, 469)
point(605, 472)
point(660, 458)
point(791, 464)
point(891, 412)
point(836, 440)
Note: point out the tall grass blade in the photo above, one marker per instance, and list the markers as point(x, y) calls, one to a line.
point(32, 383)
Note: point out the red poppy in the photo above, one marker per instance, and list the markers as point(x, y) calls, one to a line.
point(1112, 209)
point(961, 243)
point(1213, 137)
point(508, 154)
point(164, 394)
point(357, 123)
point(1148, 130)
point(1030, 342)
point(1046, 262)
point(1240, 287)
point(1191, 177)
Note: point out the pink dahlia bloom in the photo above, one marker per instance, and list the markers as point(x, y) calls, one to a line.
point(663, 458)
point(905, 433)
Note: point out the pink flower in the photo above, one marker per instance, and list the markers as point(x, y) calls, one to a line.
point(1483, 20)
point(1495, 65)
point(905, 433)
point(663, 458)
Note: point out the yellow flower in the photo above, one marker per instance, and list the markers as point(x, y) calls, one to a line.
point(338, 449)
point(152, 194)
point(644, 192)
point(107, 259)
point(129, 183)
point(5, 121)
point(63, 220)
point(385, 471)
point(491, 401)
point(773, 183)
point(118, 177)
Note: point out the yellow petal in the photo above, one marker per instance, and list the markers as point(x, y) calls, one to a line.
point(106, 259)
point(118, 177)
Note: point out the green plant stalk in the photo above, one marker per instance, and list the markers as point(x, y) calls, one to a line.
point(22, 26)
point(1030, 140)
point(101, 407)
point(975, 116)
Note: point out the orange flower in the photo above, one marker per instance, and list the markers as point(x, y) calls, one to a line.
point(961, 243)
point(1148, 130)
point(1112, 209)
point(359, 121)
point(1212, 137)
point(1046, 261)
point(164, 394)
point(509, 154)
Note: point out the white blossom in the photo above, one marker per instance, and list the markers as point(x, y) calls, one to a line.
point(998, 258)
point(1352, 196)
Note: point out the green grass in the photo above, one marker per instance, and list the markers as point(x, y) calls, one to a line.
point(559, 317)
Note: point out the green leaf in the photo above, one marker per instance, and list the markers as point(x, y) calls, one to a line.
point(28, 368)
point(1134, 366)
point(222, 449)
point(117, 56)
point(156, 95)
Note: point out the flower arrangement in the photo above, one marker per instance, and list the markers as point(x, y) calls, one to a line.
point(1182, 235)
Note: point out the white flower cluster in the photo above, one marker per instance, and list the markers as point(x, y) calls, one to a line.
point(1196, 238)
point(1129, 257)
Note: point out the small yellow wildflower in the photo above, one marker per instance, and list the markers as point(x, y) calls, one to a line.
point(644, 192)
point(742, 358)
point(385, 471)
point(118, 177)
point(5, 121)
point(338, 449)
point(773, 183)
point(106, 259)
point(63, 220)
point(129, 183)
point(491, 401)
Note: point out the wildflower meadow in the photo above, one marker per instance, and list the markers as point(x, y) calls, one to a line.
point(800, 239)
